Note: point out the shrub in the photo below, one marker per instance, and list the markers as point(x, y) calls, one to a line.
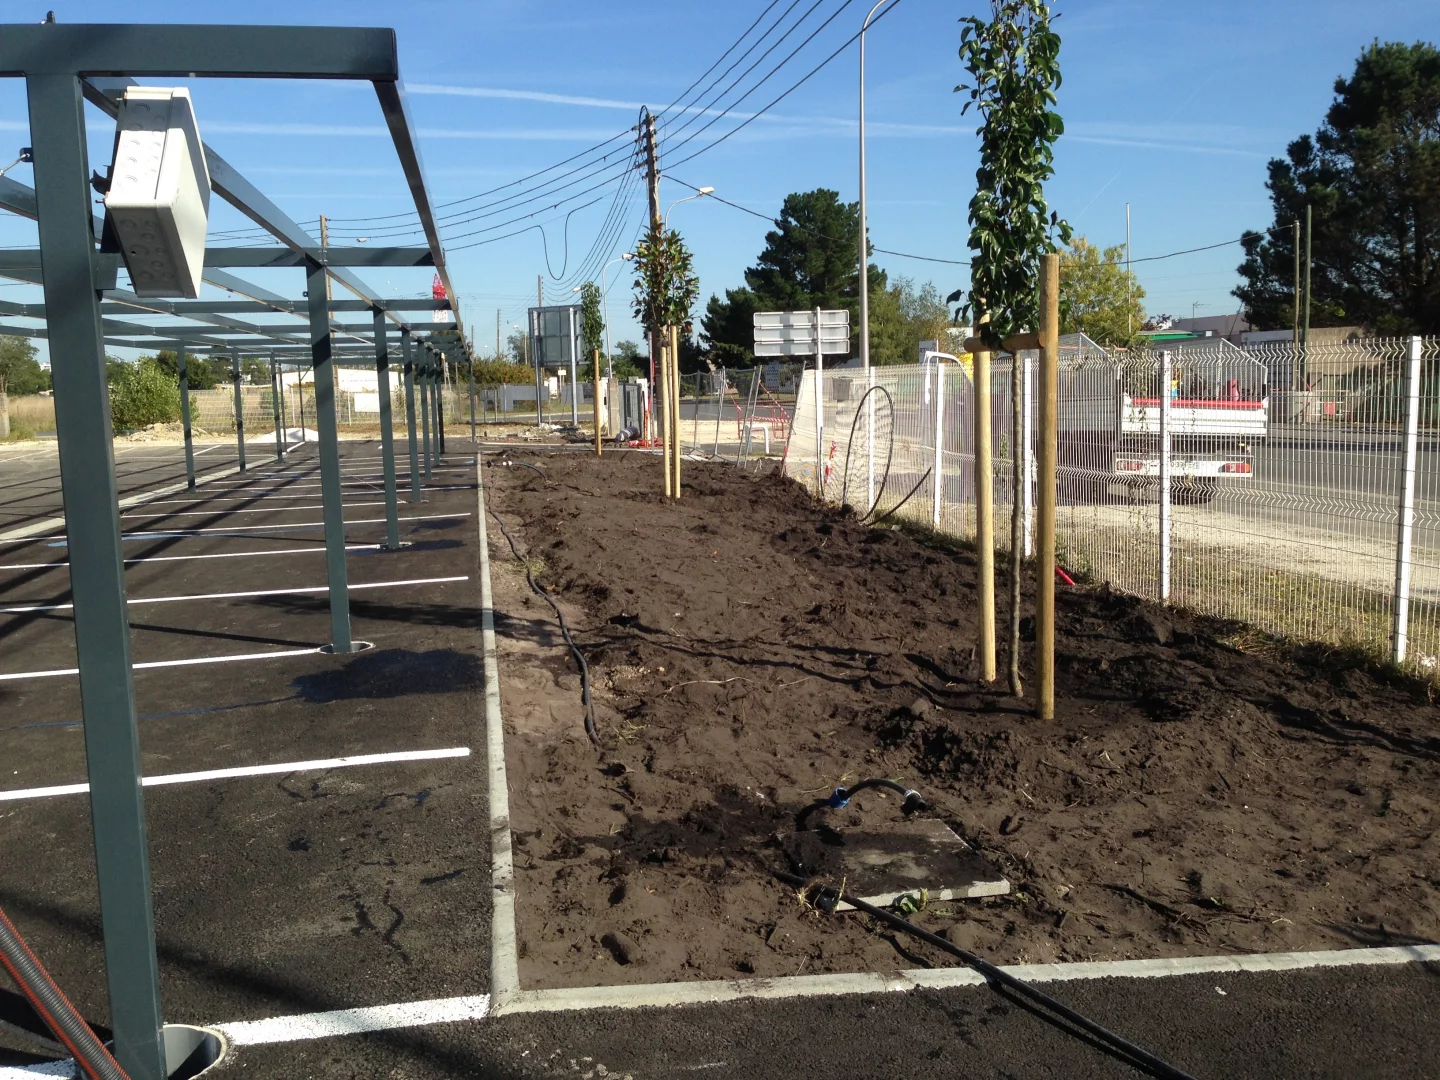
point(143, 394)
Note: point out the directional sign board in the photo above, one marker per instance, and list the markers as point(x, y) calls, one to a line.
point(792, 333)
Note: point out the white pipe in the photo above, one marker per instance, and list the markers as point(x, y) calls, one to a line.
point(1405, 540)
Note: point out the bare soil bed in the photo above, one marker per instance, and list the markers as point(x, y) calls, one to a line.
point(752, 650)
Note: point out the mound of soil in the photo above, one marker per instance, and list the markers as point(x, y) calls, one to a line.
point(751, 651)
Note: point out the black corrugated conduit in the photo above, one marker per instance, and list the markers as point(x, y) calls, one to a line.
point(51, 1005)
point(564, 630)
point(827, 897)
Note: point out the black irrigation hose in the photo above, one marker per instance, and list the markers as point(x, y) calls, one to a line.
point(526, 465)
point(906, 499)
point(564, 630)
point(850, 445)
point(842, 796)
point(827, 897)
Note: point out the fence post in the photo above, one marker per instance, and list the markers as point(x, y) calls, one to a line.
point(937, 474)
point(1166, 359)
point(720, 387)
point(870, 438)
point(1025, 372)
point(984, 516)
point(1405, 539)
point(595, 394)
point(819, 412)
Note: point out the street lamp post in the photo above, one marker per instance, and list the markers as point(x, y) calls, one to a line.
point(698, 194)
point(864, 245)
point(605, 311)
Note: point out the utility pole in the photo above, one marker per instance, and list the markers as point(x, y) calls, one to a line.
point(325, 243)
point(652, 173)
point(1309, 259)
point(497, 333)
point(1129, 287)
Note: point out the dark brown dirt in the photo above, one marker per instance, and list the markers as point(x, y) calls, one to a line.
point(752, 650)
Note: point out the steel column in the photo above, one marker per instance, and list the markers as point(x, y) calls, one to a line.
point(275, 408)
point(470, 361)
point(425, 406)
point(239, 407)
point(330, 490)
point(284, 423)
point(387, 437)
point(185, 414)
point(439, 405)
point(410, 416)
point(97, 575)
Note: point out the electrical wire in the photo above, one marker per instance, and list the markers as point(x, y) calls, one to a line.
point(762, 82)
point(539, 591)
point(828, 898)
point(716, 64)
point(813, 232)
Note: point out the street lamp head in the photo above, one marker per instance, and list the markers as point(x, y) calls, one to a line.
point(628, 256)
point(707, 191)
point(577, 288)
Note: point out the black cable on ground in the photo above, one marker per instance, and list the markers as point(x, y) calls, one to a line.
point(564, 630)
point(842, 796)
point(828, 897)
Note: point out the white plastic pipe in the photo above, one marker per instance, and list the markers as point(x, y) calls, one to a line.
point(1405, 540)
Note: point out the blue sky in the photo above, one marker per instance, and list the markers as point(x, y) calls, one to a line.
point(1174, 108)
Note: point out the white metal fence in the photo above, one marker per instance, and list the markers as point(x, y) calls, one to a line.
point(1294, 490)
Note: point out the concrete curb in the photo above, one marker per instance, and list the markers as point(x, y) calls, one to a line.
point(504, 960)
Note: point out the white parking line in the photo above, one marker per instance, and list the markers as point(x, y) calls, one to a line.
point(315, 550)
point(250, 510)
point(193, 661)
point(319, 764)
point(324, 1025)
point(237, 595)
point(162, 534)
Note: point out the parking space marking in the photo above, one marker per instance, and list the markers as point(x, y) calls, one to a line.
point(316, 550)
point(324, 1025)
point(243, 530)
point(192, 662)
point(240, 595)
point(249, 510)
point(241, 771)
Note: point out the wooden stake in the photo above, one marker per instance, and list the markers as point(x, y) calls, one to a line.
point(596, 396)
point(666, 424)
point(984, 517)
point(1045, 482)
point(675, 404)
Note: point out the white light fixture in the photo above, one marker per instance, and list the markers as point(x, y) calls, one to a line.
point(159, 196)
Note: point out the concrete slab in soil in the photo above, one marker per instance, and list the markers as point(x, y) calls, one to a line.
point(886, 861)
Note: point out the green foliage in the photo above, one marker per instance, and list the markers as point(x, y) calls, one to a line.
point(517, 348)
point(809, 261)
point(727, 328)
point(141, 394)
point(628, 360)
point(1014, 66)
point(902, 316)
point(665, 281)
point(592, 320)
point(1097, 297)
point(1371, 175)
point(202, 373)
point(500, 372)
point(20, 372)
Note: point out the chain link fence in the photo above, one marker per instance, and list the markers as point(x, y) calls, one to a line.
point(737, 415)
point(1293, 489)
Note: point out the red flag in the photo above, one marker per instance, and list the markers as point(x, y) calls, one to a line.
point(437, 289)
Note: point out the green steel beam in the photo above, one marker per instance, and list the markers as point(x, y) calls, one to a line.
point(333, 513)
point(387, 437)
point(410, 416)
point(97, 576)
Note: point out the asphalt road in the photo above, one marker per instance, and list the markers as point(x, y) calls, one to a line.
point(1346, 1024)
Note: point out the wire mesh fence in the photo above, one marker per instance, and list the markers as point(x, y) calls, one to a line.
point(737, 415)
point(1296, 490)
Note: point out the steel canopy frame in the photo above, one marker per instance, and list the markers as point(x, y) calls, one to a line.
point(63, 66)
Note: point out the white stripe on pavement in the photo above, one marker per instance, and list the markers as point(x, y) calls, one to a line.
point(239, 595)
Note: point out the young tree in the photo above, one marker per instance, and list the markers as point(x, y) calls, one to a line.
point(665, 281)
point(142, 394)
point(592, 320)
point(1371, 176)
point(1098, 298)
point(1014, 66)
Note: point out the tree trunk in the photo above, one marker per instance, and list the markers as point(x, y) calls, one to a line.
point(1017, 516)
point(4, 415)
